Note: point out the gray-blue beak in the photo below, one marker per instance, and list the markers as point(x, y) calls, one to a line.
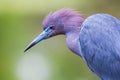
point(45, 34)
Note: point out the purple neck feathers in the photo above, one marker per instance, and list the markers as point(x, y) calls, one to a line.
point(72, 28)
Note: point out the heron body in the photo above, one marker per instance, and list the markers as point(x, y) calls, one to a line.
point(96, 39)
point(100, 45)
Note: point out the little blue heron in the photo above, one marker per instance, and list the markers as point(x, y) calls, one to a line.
point(95, 39)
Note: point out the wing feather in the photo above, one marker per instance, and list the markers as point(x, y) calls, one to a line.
point(100, 44)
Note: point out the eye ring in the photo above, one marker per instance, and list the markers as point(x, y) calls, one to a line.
point(51, 27)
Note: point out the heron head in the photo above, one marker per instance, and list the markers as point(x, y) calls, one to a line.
point(56, 23)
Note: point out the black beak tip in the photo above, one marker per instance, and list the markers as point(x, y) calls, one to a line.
point(25, 49)
point(29, 46)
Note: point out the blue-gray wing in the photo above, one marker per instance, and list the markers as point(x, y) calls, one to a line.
point(100, 44)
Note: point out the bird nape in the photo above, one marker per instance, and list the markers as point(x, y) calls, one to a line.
point(95, 39)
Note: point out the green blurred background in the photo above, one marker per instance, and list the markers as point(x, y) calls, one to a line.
point(20, 23)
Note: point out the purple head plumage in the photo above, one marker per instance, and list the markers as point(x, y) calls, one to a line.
point(61, 19)
point(64, 21)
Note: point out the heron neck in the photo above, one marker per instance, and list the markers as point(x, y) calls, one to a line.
point(72, 40)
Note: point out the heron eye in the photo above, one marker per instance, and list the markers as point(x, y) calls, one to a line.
point(52, 27)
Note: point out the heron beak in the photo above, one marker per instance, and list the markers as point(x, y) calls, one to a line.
point(45, 34)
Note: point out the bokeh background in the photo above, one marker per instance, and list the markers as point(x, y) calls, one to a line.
point(20, 23)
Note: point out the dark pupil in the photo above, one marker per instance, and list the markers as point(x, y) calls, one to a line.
point(51, 27)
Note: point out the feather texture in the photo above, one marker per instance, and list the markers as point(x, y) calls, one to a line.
point(100, 45)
